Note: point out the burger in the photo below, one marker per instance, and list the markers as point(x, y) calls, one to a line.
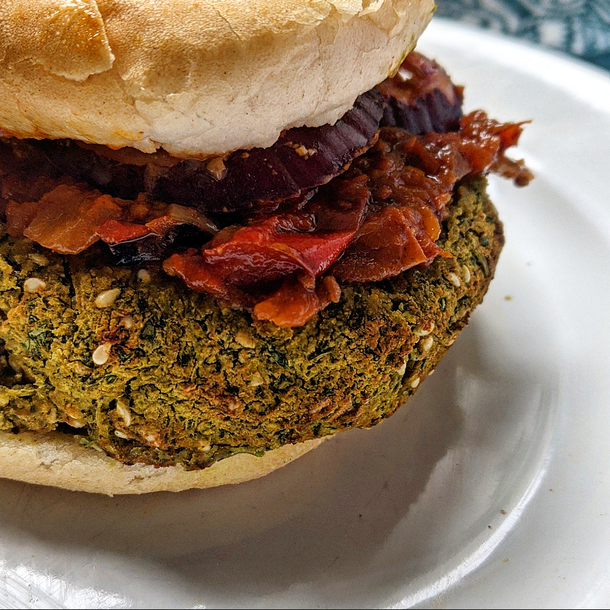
point(230, 230)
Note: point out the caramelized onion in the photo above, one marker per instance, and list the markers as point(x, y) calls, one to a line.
point(152, 248)
point(385, 246)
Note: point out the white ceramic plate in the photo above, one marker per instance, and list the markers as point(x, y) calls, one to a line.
point(491, 491)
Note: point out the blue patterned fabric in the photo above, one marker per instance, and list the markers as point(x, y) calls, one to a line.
point(579, 27)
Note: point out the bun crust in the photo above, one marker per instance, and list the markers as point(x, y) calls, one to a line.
point(195, 78)
point(58, 460)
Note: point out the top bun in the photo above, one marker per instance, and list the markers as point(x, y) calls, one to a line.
point(194, 77)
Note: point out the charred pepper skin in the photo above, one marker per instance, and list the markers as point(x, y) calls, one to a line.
point(189, 380)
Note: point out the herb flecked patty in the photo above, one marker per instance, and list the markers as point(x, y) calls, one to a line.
point(136, 364)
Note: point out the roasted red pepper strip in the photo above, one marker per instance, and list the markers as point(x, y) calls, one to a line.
point(263, 253)
point(65, 220)
point(385, 246)
point(70, 218)
point(118, 231)
point(201, 277)
point(305, 242)
point(293, 304)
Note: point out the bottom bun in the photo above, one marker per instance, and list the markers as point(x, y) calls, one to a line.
point(58, 460)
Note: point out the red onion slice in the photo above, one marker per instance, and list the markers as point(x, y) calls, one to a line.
point(303, 158)
point(421, 98)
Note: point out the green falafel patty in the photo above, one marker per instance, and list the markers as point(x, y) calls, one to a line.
point(134, 364)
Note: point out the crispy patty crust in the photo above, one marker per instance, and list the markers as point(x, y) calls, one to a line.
point(137, 365)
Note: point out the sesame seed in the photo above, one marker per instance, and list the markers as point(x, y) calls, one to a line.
point(73, 422)
point(455, 280)
point(256, 380)
point(144, 276)
point(107, 298)
point(422, 332)
point(101, 354)
point(244, 339)
point(466, 274)
point(39, 259)
point(33, 284)
point(217, 168)
point(120, 434)
point(122, 407)
point(415, 383)
point(427, 343)
point(403, 369)
point(232, 404)
point(127, 322)
point(207, 448)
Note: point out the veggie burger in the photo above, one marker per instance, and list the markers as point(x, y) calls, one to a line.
point(229, 230)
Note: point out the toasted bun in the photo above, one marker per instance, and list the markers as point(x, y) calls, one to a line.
point(58, 460)
point(193, 77)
